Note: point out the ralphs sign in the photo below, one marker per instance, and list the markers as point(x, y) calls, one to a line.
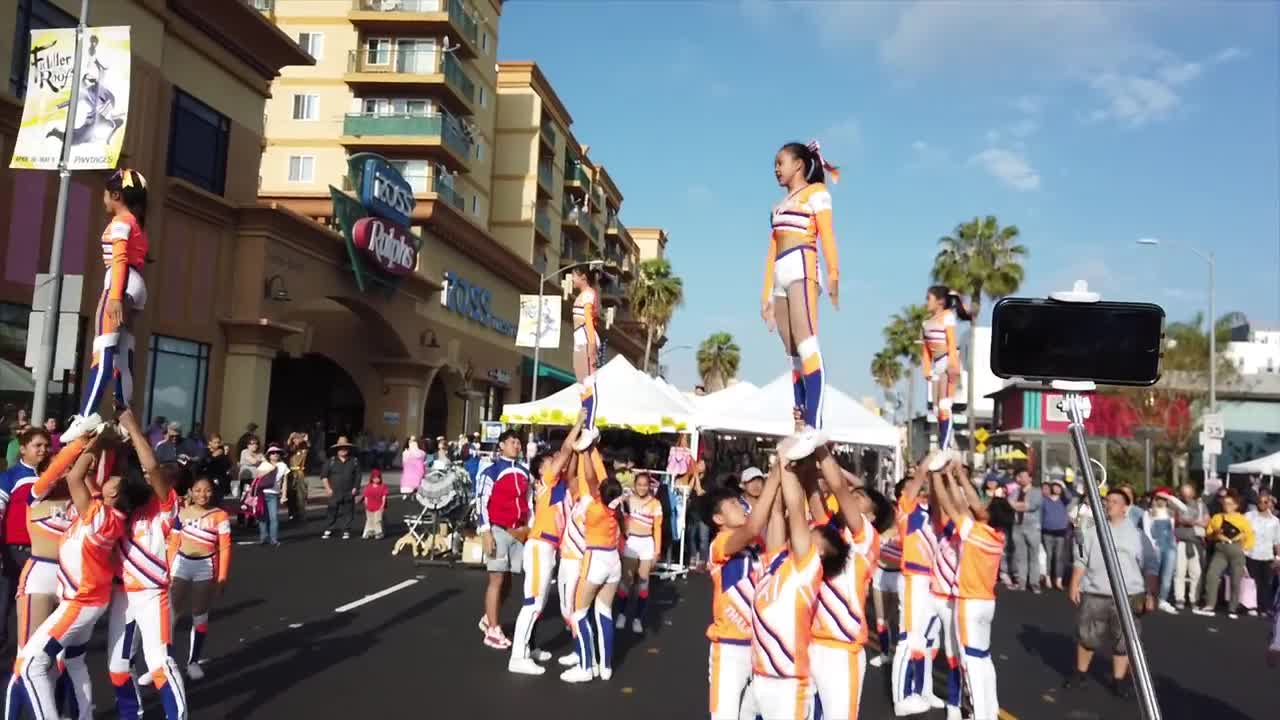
point(391, 246)
point(375, 222)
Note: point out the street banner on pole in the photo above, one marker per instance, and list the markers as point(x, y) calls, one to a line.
point(527, 333)
point(101, 111)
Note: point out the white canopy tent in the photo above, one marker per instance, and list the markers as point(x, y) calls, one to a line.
point(768, 412)
point(727, 401)
point(628, 399)
point(1269, 465)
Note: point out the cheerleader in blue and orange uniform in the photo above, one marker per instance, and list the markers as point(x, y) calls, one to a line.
point(940, 359)
point(792, 285)
point(598, 577)
point(643, 546)
point(586, 349)
point(912, 681)
point(200, 548)
point(140, 609)
point(124, 252)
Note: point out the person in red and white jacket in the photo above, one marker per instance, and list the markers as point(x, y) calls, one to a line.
point(506, 506)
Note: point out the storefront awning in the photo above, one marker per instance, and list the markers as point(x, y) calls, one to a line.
point(547, 371)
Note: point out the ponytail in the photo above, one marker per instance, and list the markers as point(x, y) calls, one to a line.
point(816, 169)
point(131, 186)
point(952, 301)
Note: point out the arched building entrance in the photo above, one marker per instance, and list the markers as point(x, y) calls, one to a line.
point(312, 389)
point(435, 416)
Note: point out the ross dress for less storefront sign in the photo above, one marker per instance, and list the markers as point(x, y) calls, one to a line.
point(474, 303)
point(376, 222)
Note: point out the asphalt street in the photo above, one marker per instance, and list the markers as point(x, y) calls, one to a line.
point(342, 629)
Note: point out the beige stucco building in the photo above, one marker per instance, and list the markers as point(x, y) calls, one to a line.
point(200, 75)
point(488, 150)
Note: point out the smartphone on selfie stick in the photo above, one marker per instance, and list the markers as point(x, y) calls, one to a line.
point(1073, 342)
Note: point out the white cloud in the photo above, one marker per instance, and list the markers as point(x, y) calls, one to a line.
point(1028, 104)
point(924, 155)
point(1009, 167)
point(843, 139)
point(1228, 54)
point(1132, 99)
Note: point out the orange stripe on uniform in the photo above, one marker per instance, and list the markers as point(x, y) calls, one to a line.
point(812, 289)
point(802, 693)
point(578, 600)
point(855, 682)
point(715, 676)
point(963, 630)
point(536, 575)
point(65, 622)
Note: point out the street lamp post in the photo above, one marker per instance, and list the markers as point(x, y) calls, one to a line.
point(1213, 334)
point(652, 369)
point(537, 338)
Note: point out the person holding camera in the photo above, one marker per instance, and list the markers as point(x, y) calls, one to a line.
point(1098, 624)
point(1232, 535)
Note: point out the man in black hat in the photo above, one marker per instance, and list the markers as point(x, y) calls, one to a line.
point(341, 477)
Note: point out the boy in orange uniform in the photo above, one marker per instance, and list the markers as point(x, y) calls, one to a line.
point(982, 533)
point(734, 569)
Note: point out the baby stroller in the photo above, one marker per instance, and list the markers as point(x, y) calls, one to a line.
point(435, 533)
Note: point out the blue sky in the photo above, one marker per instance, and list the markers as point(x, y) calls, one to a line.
point(1086, 125)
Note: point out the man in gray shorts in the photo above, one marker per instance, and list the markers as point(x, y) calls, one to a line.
point(1098, 625)
point(506, 505)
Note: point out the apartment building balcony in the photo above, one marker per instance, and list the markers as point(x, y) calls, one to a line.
point(548, 135)
point(542, 223)
point(576, 178)
point(432, 17)
point(579, 224)
point(438, 136)
point(385, 71)
point(572, 251)
point(546, 179)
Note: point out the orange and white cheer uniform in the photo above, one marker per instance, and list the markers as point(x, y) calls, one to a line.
point(202, 546)
point(911, 674)
point(836, 657)
point(980, 551)
point(733, 581)
point(785, 601)
point(539, 563)
point(941, 362)
point(944, 587)
point(140, 612)
point(86, 561)
point(644, 528)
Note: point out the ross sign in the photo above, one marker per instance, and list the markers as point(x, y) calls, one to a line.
point(527, 334)
point(501, 377)
point(390, 417)
point(102, 107)
point(473, 302)
point(1214, 427)
point(384, 191)
point(391, 246)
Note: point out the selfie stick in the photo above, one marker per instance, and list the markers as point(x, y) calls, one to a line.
point(1077, 407)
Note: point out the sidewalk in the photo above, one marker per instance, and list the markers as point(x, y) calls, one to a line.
point(316, 494)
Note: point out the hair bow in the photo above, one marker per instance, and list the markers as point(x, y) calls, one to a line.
point(128, 178)
point(831, 170)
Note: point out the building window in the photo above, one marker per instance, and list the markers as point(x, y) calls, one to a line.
point(481, 96)
point(306, 107)
point(416, 172)
point(198, 139)
point(302, 169)
point(313, 43)
point(377, 51)
point(178, 380)
point(479, 146)
point(484, 41)
point(32, 15)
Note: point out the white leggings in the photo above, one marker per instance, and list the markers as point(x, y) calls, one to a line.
point(142, 618)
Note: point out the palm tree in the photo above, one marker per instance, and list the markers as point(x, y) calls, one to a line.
point(902, 337)
point(654, 296)
point(887, 370)
point(980, 259)
point(718, 360)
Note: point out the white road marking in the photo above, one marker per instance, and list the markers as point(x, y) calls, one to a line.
point(375, 596)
